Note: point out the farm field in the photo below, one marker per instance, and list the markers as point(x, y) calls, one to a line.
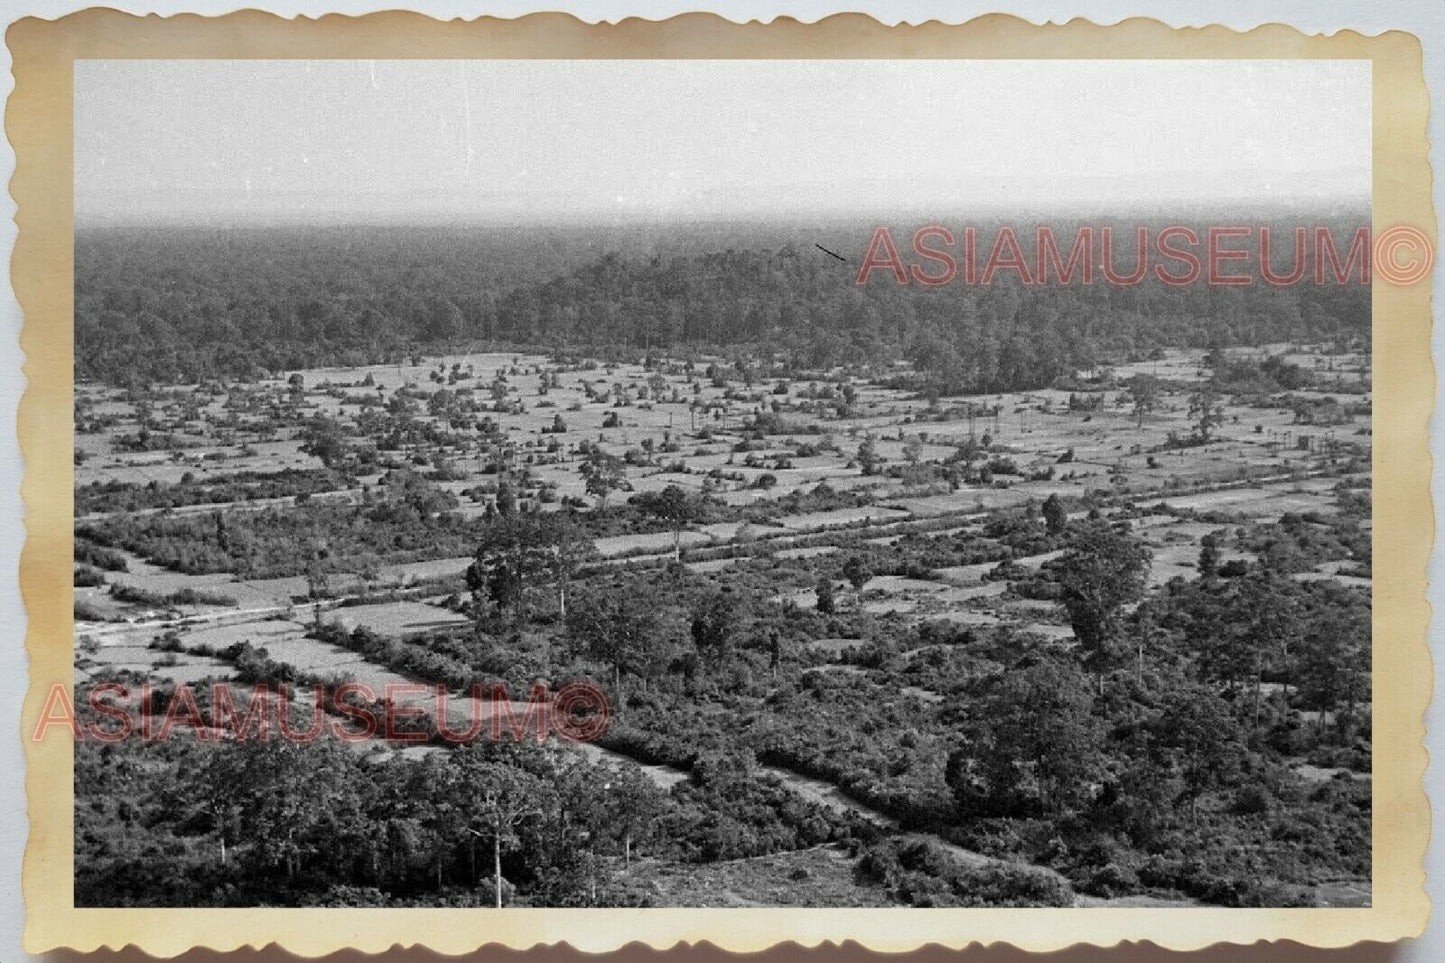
point(331, 524)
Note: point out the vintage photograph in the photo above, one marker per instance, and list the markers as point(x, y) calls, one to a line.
point(722, 483)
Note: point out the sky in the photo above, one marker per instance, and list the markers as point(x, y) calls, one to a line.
point(623, 140)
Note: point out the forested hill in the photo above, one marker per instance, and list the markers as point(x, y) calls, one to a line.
point(183, 304)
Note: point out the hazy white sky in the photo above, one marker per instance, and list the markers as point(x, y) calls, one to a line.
point(638, 139)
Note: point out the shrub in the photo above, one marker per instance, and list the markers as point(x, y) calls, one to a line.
point(1112, 879)
point(923, 874)
point(89, 553)
point(85, 612)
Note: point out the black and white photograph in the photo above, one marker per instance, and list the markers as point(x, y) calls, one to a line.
point(723, 483)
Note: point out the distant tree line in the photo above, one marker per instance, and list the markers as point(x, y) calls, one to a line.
point(156, 306)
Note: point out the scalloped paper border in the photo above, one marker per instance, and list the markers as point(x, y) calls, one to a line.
point(39, 125)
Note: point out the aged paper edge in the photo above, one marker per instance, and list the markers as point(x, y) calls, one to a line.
point(39, 125)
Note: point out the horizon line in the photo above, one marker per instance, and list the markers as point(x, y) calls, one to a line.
point(230, 220)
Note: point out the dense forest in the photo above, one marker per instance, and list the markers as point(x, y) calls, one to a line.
point(191, 304)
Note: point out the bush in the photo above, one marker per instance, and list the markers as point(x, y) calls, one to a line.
point(1112, 879)
point(89, 553)
point(85, 612)
point(921, 873)
point(186, 596)
point(1252, 800)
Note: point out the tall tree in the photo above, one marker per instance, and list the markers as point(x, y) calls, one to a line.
point(570, 546)
point(1333, 668)
point(1029, 743)
point(856, 571)
point(630, 805)
point(868, 458)
point(1209, 557)
point(622, 629)
point(603, 474)
point(1144, 393)
point(714, 619)
point(495, 799)
point(1056, 519)
point(1198, 736)
point(506, 497)
point(1207, 410)
point(1102, 571)
point(826, 598)
point(674, 506)
point(518, 554)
